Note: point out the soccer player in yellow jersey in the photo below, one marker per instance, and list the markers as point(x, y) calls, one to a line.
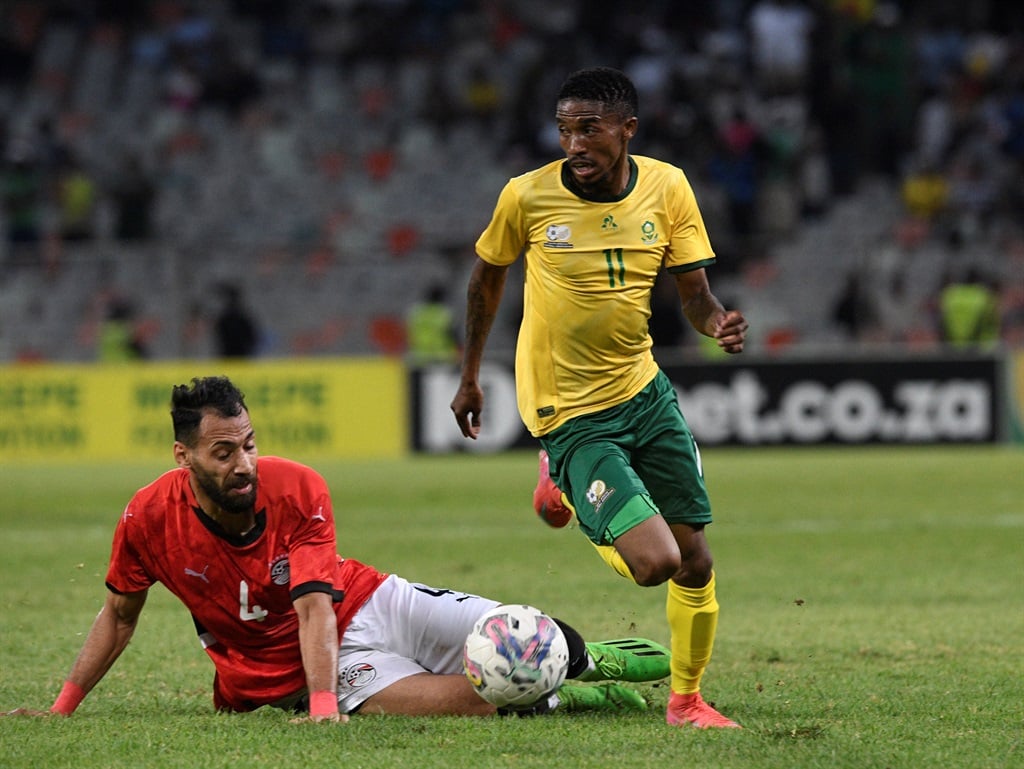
point(595, 229)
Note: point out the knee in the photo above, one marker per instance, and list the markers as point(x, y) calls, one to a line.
point(649, 573)
point(689, 568)
point(694, 572)
point(695, 561)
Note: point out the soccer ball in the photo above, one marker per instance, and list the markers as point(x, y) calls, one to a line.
point(515, 655)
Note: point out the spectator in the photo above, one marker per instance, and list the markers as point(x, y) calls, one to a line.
point(20, 193)
point(780, 44)
point(879, 56)
point(969, 310)
point(183, 87)
point(935, 126)
point(134, 194)
point(938, 49)
point(734, 167)
point(814, 176)
point(119, 339)
point(897, 314)
point(50, 151)
point(430, 328)
point(973, 193)
point(483, 98)
point(925, 190)
point(852, 312)
point(236, 330)
point(76, 201)
point(230, 84)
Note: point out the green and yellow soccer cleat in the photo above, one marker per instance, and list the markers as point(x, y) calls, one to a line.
point(610, 697)
point(627, 659)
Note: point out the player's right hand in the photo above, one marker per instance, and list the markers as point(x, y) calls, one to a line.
point(26, 712)
point(333, 718)
point(467, 405)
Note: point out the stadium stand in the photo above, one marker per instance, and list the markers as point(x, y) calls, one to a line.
point(333, 157)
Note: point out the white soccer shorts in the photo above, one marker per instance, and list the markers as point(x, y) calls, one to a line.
point(404, 629)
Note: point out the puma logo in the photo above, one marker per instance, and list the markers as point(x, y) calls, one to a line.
point(201, 574)
point(319, 514)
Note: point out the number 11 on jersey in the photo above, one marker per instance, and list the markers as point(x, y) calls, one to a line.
point(614, 258)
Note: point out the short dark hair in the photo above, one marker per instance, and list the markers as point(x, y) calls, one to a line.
point(608, 86)
point(189, 402)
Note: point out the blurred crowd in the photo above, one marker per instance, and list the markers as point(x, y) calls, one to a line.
point(118, 113)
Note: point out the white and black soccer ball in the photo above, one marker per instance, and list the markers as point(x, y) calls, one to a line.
point(515, 656)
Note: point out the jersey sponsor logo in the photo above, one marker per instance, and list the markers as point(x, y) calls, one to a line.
point(359, 675)
point(280, 572)
point(598, 494)
point(608, 224)
point(200, 574)
point(558, 236)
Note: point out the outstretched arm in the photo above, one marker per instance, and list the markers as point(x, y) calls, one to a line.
point(486, 286)
point(108, 637)
point(318, 641)
point(706, 313)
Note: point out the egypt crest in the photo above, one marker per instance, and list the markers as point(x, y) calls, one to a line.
point(280, 574)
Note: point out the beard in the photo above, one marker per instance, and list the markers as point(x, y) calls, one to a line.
point(229, 503)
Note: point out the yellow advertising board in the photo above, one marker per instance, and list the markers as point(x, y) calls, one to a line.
point(303, 409)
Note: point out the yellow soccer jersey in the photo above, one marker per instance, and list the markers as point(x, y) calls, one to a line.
point(590, 266)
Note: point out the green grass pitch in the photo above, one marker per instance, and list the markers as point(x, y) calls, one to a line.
point(872, 616)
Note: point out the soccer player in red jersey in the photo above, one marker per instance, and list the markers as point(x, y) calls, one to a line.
point(247, 543)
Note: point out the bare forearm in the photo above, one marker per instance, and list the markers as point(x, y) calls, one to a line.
point(703, 310)
point(107, 639)
point(320, 658)
point(706, 314)
point(483, 296)
point(318, 641)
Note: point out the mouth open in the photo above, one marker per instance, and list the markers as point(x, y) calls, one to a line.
point(583, 169)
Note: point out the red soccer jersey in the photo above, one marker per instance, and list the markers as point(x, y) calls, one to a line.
point(240, 590)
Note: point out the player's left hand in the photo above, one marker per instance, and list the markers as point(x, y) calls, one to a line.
point(731, 331)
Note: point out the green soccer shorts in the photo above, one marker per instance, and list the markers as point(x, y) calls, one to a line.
point(640, 448)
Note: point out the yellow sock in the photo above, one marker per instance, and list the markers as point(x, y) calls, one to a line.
point(612, 558)
point(692, 620)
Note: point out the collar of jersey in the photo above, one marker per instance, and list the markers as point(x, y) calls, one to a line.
point(248, 538)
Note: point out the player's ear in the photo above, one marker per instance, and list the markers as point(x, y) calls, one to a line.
point(181, 454)
point(629, 128)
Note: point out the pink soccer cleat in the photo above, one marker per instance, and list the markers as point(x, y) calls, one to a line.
point(547, 497)
point(692, 710)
